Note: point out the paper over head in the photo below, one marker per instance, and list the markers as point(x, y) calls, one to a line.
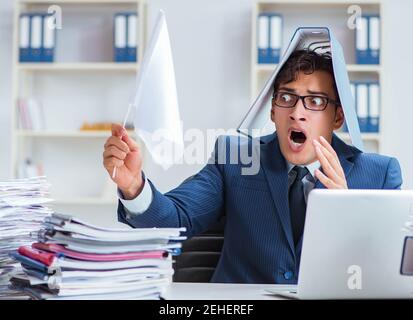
point(320, 39)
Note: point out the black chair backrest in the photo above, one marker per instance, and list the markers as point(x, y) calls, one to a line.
point(200, 255)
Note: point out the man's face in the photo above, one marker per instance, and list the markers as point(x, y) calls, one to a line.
point(297, 127)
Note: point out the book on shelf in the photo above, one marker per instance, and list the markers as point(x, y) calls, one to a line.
point(31, 114)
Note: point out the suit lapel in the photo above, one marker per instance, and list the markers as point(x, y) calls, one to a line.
point(275, 170)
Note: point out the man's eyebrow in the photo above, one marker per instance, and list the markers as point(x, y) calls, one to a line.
point(317, 92)
point(286, 89)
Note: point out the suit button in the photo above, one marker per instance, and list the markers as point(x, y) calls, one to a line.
point(288, 275)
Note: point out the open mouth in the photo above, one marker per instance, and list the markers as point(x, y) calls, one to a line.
point(297, 137)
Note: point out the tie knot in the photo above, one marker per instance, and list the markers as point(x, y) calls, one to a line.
point(301, 172)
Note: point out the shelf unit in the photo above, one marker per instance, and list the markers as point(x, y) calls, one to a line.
point(332, 13)
point(108, 81)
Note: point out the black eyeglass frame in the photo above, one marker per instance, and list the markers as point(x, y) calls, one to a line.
point(302, 98)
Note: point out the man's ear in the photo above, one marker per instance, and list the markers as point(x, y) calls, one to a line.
point(272, 112)
point(339, 118)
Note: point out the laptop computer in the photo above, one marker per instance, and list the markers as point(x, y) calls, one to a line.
point(357, 245)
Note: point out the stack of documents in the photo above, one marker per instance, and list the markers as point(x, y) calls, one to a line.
point(22, 211)
point(76, 260)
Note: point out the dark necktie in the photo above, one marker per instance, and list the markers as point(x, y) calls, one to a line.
point(297, 203)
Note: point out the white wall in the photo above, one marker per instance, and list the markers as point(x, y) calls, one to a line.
point(398, 23)
point(211, 47)
point(6, 35)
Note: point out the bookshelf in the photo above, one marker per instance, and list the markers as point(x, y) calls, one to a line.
point(82, 85)
point(332, 13)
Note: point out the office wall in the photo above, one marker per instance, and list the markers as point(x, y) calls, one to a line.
point(6, 35)
point(211, 46)
point(398, 55)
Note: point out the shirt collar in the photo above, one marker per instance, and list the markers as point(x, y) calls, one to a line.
point(311, 167)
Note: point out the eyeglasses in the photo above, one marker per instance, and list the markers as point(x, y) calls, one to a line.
point(311, 102)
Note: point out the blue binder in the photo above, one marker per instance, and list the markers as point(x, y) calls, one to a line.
point(368, 39)
point(48, 39)
point(362, 105)
point(374, 39)
point(35, 52)
point(263, 38)
point(24, 37)
point(132, 45)
point(354, 95)
point(275, 37)
point(374, 107)
point(362, 40)
point(120, 37)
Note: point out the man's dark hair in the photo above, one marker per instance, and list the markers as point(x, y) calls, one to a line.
point(305, 61)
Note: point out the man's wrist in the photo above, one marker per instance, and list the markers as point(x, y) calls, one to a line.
point(134, 190)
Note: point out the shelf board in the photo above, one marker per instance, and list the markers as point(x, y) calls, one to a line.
point(350, 68)
point(84, 201)
point(364, 136)
point(66, 134)
point(81, 66)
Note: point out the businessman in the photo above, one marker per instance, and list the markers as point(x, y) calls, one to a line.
point(265, 212)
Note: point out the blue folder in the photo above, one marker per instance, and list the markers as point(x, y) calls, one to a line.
point(120, 37)
point(48, 39)
point(275, 37)
point(132, 20)
point(36, 35)
point(263, 38)
point(24, 38)
point(374, 107)
point(368, 39)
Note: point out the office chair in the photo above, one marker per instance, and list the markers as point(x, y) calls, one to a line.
point(200, 255)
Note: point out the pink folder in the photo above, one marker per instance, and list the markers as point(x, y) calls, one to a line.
point(59, 249)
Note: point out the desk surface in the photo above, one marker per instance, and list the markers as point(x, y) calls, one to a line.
point(222, 291)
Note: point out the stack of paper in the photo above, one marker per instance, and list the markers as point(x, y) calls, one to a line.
point(21, 212)
point(76, 260)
